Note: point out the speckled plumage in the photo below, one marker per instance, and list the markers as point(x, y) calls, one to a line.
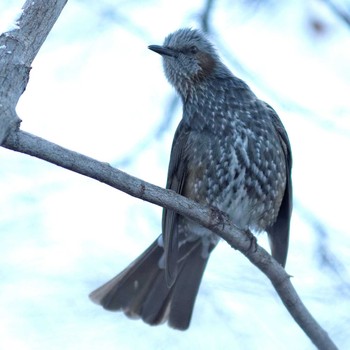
point(230, 151)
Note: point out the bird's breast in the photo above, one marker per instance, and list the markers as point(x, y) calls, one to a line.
point(239, 175)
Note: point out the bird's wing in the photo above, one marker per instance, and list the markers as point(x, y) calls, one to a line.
point(177, 174)
point(279, 232)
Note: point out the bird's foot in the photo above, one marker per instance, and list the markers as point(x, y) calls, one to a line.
point(253, 245)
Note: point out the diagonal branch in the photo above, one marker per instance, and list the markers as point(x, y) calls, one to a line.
point(211, 218)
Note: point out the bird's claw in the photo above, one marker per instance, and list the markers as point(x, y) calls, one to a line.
point(253, 245)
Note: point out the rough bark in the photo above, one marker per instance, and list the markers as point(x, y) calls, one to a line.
point(18, 48)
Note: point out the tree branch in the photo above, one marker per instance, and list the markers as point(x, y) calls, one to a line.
point(18, 48)
point(210, 218)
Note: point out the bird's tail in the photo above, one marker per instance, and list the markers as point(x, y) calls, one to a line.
point(140, 291)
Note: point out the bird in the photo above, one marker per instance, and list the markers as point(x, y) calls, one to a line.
point(230, 151)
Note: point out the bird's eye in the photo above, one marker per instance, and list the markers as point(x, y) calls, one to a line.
point(193, 49)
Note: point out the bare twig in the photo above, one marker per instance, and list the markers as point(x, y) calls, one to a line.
point(206, 14)
point(211, 218)
point(327, 258)
point(345, 17)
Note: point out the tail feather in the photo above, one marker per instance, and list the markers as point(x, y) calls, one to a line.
point(115, 294)
point(141, 290)
point(186, 289)
point(155, 305)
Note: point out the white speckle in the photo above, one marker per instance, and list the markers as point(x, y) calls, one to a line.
point(160, 241)
point(2, 47)
point(8, 52)
point(136, 284)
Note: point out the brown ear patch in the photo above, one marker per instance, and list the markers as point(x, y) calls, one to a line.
point(207, 63)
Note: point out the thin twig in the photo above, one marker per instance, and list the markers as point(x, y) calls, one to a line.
point(205, 16)
point(345, 17)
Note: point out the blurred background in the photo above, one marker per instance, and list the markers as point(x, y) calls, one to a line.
point(95, 88)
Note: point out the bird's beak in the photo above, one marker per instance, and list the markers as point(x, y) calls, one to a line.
point(164, 51)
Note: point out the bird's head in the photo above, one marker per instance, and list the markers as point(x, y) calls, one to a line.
point(188, 58)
